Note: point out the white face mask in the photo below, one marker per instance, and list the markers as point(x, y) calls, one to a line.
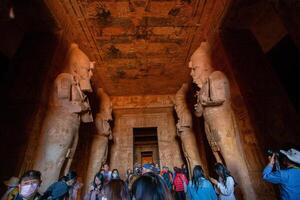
point(27, 190)
point(115, 175)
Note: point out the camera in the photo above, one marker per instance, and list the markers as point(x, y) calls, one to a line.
point(277, 158)
point(270, 152)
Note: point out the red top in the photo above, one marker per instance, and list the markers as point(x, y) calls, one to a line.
point(178, 182)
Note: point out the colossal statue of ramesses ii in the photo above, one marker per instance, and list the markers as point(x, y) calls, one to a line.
point(214, 104)
point(68, 106)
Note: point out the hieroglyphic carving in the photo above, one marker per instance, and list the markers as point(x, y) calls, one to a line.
point(148, 101)
point(68, 107)
point(214, 104)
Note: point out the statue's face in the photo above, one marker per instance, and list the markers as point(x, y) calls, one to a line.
point(84, 75)
point(200, 71)
point(195, 73)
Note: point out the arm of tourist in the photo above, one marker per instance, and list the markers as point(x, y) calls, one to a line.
point(214, 182)
point(228, 189)
point(270, 176)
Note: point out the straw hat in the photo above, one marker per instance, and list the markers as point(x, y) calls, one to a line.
point(12, 182)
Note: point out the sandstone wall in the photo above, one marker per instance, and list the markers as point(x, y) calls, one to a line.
point(128, 118)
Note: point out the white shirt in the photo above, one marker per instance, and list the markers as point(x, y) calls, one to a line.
point(226, 192)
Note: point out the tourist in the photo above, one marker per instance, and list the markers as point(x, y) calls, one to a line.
point(95, 191)
point(115, 190)
point(180, 183)
point(30, 181)
point(150, 186)
point(185, 170)
point(225, 185)
point(288, 178)
point(167, 177)
point(174, 172)
point(136, 174)
point(115, 174)
point(107, 173)
point(147, 167)
point(157, 168)
point(73, 191)
point(199, 187)
point(12, 184)
point(60, 189)
point(129, 173)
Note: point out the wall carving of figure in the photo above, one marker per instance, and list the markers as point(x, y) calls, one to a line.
point(185, 131)
point(99, 146)
point(214, 104)
point(68, 106)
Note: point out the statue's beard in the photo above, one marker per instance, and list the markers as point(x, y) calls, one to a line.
point(85, 85)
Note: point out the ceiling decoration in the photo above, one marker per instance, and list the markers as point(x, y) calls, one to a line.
point(141, 47)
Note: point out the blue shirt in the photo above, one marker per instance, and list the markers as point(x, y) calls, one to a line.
point(205, 191)
point(288, 180)
point(58, 190)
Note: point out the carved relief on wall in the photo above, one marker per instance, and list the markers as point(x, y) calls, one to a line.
point(146, 101)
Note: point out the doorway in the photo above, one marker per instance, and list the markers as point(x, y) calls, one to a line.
point(145, 145)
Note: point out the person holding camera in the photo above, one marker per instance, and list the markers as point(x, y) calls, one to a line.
point(288, 178)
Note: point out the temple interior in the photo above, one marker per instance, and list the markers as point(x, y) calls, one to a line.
point(140, 104)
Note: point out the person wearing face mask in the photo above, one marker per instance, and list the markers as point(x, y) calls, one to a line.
point(28, 187)
point(106, 172)
point(115, 174)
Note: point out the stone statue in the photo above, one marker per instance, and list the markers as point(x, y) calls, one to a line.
point(214, 104)
point(185, 131)
point(100, 141)
point(68, 106)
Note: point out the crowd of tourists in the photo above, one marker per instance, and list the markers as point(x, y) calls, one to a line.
point(151, 182)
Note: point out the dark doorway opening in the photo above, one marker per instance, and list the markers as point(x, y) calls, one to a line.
point(145, 145)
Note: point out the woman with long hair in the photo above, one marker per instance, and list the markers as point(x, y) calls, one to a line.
point(150, 186)
point(225, 185)
point(95, 191)
point(199, 187)
point(116, 190)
